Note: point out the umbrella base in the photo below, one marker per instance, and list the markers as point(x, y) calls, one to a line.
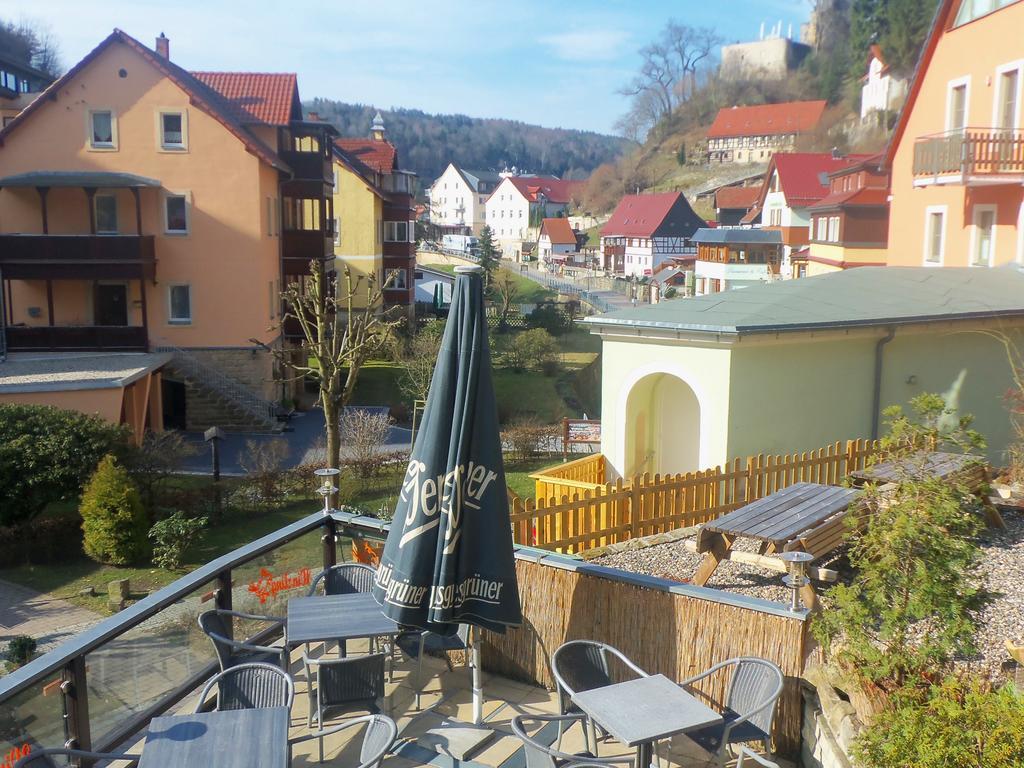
point(457, 740)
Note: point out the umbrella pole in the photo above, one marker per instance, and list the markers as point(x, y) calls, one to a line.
point(478, 691)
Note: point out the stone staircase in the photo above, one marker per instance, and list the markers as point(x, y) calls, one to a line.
point(213, 399)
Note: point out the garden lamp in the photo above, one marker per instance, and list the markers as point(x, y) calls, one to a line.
point(327, 487)
point(797, 578)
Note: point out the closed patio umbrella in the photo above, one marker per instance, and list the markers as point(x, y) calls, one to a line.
point(448, 559)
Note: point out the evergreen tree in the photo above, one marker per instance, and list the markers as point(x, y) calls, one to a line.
point(113, 518)
point(488, 254)
point(906, 26)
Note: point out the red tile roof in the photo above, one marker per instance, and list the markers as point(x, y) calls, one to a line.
point(737, 197)
point(803, 176)
point(868, 196)
point(559, 231)
point(555, 190)
point(257, 97)
point(381, 156)
point(752, 215)
point(639, 215)
point(767, 119)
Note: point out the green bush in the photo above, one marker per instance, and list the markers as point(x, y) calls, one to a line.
point(551, 318)
point(172, 536)
point(20, 650)
point(958, 723)
point(113, 518)
point(534, 350)
point(47, 454)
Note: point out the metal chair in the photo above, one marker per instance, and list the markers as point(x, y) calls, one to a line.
point(217, 625)
point(90, 756)
point(355, 682)
point(345, 579)
point(249, 686)
point(748, 708)
point(415, 643)
point(378, 738)
point(582, 665)
point(746, 752)
point(540, 755)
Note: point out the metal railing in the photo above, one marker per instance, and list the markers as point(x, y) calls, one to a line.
point(970, 152)
point(191, 367)
point(571, 288)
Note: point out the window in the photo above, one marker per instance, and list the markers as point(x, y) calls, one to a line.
point(984, 235)
point(934, 235)
point(106, 214)
point(822, 228)
point(337, 230)
point(175, 214)
point(334, 182)
point(412, 231)
point(172, 130)
point(273, 302)
point(956, 104)
point(179, 304)
point(395, 279)
point(1007, 98)
point(973, 9)
point(102, 130)
point(396, 231)
point(833, 229)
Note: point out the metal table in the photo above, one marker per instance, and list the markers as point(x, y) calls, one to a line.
point(242, 738)
point(806, 516)
point(642, 711)
point(336, 617)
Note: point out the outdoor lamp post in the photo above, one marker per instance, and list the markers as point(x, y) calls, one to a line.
point(327, 487)
point(797, 578)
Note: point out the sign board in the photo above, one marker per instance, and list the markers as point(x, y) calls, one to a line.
point(581, 430)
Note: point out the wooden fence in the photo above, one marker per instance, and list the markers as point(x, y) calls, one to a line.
point(573, 513)
point(671, 633)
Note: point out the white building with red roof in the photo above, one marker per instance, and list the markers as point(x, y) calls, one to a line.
point(557, 238)
point(646, 230)
point(882, 91)
point(752, 134)
point(518, 204)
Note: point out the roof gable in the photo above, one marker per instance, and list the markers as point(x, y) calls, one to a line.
point(380, 156)
point(554, 190)
point(767, 119)
point(804, 176)
point(558, 231)
point(202, 96)
point(648, 215)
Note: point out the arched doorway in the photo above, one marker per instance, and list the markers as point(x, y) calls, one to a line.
point(662, 427)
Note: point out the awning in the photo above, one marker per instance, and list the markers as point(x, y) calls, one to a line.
point(97, 179)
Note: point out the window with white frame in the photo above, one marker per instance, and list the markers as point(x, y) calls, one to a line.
point(337, 230)
point(395, 279)
point(833, 229)
point(172, 130)
point(179, 304)
point(822, 228)
point(102, 129)
point(957, 104)
point(983, 240)
point(1007, 101)
point(105, 206)
point(973, 9)
point(412, 231)
point(175, 214)
point(396, 231)
point(934, 234)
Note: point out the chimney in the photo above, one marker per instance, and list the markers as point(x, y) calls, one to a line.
point(377, 129)
point(163, 47)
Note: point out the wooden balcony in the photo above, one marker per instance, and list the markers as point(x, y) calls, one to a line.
point(37, 257)
point(972, 157)
point(75, 338)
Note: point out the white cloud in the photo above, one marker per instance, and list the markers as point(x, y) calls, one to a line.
point(587, 44)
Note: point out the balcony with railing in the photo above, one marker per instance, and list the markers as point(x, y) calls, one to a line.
point(101, 688)
point(971, 156)
point(38, 257)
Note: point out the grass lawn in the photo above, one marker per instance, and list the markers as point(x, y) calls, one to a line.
point(528, 291)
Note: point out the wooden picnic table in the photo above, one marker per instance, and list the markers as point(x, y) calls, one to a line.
point(802, 516)
point(969, 469)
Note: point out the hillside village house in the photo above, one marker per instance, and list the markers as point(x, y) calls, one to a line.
point(793, 365)
point(146, 207)
point(556, 238)
point(458, 199)
point(850, 225)
point(883, 91)
point(957, 153)
point(735, 258)
point(518, 204)
point(374, 224)
point(732, 204)
point(19, 85)
point(793, 183)
point(646, 230)
point(752, 134)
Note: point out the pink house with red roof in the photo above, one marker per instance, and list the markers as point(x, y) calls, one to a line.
point(646, 230)
point(517, 206)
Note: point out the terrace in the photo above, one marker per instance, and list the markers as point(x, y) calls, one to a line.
point(101, 689)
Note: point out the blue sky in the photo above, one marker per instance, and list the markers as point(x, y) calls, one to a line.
point(556, 64)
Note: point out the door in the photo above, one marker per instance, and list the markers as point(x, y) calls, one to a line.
point(111, 305)
point(173, 395)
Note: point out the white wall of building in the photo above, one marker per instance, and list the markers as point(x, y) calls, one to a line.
point(453, 202)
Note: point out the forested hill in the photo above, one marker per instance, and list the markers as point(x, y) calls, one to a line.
point(427, 143)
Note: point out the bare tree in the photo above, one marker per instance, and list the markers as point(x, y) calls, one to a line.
point(33, 43)
point(418, 360)
point(507, 290)
point(338, 337)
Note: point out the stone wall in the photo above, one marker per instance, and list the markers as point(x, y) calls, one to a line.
point(830, 725)
point(250, 366)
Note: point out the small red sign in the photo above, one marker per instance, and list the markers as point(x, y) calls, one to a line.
point(268, 585)
point(14, 755)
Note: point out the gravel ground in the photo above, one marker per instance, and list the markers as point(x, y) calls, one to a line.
point(1003, 565)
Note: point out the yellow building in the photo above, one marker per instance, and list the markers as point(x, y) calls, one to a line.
point(794, 365)
point(374, 217)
